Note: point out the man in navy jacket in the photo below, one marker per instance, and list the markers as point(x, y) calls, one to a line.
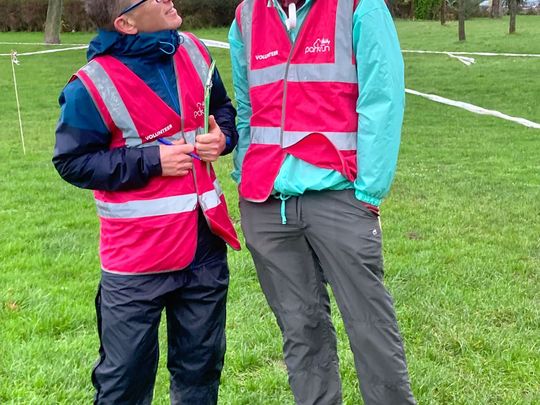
point(142, 35)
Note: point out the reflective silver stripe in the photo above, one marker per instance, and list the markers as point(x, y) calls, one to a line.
point(198, 60)
point(322, 73)
point(341, 71)
point(211, 199)
point(303, 73)
point(265, 136)
point(267, 75)
point(217, 186)
point(190, 136)
point(341, 140)
point(246, 17)
point(114, 103)
point(271, 136)
point(148, 208)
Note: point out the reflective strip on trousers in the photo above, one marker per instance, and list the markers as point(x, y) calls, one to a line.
point(272, 136)
point(147, 208)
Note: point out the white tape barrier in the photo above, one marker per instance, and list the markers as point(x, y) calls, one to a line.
point(466, 106)
point(225, 45)
point(516, 55)
point(463, 59)
point(38, 43)
point(47, 51)
point(216, 44)
point(475, 109)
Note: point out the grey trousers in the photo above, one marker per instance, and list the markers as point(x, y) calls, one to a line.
point(330, 237)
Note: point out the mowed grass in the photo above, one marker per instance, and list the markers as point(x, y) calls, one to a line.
point(462, 238)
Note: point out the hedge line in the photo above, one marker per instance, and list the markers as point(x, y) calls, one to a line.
point(29, 15)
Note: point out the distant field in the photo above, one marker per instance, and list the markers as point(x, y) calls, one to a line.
point(462, 237)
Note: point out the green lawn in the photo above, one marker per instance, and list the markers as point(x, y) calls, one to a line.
point(462, 237)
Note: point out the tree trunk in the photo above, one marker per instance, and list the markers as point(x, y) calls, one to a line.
point(443, 12)
point(53, 22)
point(495, 9)
point(513, 12)
point(461, 16)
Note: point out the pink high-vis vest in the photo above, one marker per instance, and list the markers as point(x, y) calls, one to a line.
point(154, 229)
point(303, 96)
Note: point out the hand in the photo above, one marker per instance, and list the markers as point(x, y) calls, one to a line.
point(209, 146)
point(175, 160)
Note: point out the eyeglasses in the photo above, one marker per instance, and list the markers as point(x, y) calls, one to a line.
point(135, 5)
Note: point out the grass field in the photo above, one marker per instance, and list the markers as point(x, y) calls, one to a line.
point(462, 237)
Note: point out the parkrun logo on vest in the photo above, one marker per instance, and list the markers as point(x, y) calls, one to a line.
point(158, 133)
point(320, 46)
point(270, 54)
point(200, 110)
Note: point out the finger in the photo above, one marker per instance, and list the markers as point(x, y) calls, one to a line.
point(212, 124)
point(186, 148)
point(208, 156)
point(205, 147)
point(206, 138)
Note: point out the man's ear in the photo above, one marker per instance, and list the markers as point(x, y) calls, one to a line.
point(124, 25)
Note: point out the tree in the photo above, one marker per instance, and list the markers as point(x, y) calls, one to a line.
point(495, 11)
point(513, 12)
point(461, 17)
point(443, 12)
point(53, 22)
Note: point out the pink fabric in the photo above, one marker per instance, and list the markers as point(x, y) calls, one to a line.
point(267, 160)
point(315, 107)
point(151, 244)
point(305, 111)
point(157, 187)
point(135, 92)
point(164, 242)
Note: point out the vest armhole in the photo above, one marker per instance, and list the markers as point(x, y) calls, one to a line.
point(200, 46)
point(96, 98)
point(238, 16)
point(356, 3)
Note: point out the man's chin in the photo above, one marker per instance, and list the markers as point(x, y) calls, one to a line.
point(178, 23)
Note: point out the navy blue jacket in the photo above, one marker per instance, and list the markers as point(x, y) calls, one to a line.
point(81, 154)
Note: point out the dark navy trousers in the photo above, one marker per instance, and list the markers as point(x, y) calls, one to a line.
point(128, 312)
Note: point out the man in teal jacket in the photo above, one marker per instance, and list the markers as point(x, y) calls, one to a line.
point(319, 227)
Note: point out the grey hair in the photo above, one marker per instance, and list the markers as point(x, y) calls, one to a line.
point(104, 12)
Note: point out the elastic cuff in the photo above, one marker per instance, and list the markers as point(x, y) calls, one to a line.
point(152, 160)
point(367, 198)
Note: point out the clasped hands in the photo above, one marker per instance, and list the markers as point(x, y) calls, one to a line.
point(175, 158)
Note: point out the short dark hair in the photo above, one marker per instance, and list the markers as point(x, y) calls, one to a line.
point(104, 12)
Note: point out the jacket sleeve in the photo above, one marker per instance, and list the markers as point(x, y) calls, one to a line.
point(224, 112)
point(82, 156)
point(243, 103)
point(381, 99)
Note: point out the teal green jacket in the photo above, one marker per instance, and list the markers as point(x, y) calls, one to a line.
point(380, 107)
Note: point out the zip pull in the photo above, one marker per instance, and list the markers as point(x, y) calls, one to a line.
point(269, 4)
point(291, 21)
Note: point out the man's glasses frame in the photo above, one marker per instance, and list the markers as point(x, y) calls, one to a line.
point(135, 5)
